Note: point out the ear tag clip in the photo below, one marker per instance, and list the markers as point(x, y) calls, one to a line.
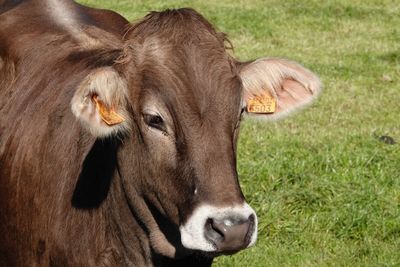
point(108, 115)
point(264, 104)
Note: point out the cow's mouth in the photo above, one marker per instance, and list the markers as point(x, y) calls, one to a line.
point(214, 254)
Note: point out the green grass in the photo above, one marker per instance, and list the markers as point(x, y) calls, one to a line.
point(326, 190)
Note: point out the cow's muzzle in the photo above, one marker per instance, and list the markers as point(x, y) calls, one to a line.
point(229, 234)
point(223, 230)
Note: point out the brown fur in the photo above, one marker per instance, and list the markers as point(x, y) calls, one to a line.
point(70, 199)
point(62, 202)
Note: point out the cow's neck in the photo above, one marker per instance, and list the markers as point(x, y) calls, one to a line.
point(126, 225)
point(127, 234)
point(138, 243)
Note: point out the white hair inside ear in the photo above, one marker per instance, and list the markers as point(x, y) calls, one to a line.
point(100, 102)
point(277, 87)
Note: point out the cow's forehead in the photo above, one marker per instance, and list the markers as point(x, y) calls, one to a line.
point(192, 78)
point(179, 54)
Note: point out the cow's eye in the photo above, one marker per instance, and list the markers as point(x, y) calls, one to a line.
point(154, 121)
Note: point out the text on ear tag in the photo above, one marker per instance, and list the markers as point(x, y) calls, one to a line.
point(261, 104)
point(108, 115)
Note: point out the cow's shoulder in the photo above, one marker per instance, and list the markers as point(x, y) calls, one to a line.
point(62, 17)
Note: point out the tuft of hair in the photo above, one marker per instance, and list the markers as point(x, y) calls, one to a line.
point(178, 24)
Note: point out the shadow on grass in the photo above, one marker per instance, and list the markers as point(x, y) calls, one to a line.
point(392, 57)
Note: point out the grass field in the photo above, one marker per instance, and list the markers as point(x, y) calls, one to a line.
point(325, 188)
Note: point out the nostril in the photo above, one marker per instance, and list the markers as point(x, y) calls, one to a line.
point(213, 232)
point(251, 221)
point(251, 229)
point(218, 228)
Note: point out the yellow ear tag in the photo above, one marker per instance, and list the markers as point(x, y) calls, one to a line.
point(261, 104)
point(108, 115)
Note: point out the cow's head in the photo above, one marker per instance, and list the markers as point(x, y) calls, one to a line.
point(177, 97)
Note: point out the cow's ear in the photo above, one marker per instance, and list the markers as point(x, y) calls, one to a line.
point(100, 102)
point(273, 88)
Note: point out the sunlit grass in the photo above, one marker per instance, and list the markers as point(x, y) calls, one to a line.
point(326, 190)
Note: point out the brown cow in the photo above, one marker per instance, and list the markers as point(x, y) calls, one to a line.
point(118, 141)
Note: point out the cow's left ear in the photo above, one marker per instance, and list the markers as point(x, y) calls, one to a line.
point(274, 88)
point(100, 102)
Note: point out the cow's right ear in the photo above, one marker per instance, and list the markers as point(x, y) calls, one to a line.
point(100, 102)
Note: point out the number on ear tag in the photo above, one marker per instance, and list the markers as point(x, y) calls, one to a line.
point(261, 104)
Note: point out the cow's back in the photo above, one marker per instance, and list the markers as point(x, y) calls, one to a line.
point(41, 144)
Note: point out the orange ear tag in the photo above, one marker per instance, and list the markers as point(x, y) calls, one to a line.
point(261, 104)
point(108, 115)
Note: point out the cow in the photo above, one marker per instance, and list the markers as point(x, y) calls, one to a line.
point(118, 140)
